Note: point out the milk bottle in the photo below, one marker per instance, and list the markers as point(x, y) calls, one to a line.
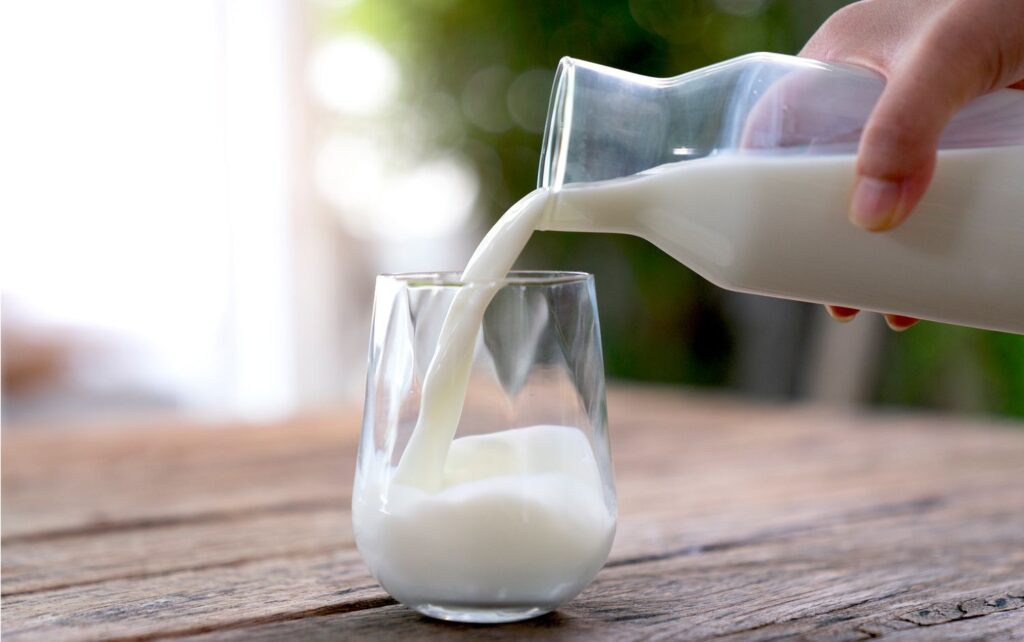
point(743, 171)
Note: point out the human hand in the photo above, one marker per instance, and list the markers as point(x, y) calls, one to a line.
point(936, 56)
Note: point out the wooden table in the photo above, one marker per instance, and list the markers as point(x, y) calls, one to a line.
point(738, 522)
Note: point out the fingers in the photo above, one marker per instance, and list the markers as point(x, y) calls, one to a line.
point(813, 108)
point(841, 314)
point(896, 322)
point(937, 75)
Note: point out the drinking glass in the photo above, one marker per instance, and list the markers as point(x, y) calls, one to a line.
point(526, 513)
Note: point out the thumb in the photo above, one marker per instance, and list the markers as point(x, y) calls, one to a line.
point(898, 148)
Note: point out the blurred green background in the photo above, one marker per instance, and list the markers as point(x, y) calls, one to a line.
point(478, 74)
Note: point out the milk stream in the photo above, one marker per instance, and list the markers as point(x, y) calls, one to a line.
point(444, 387)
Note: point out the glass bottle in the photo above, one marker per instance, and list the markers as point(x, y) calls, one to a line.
point(743, 172)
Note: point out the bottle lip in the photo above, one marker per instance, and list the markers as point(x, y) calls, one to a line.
point(558, 126)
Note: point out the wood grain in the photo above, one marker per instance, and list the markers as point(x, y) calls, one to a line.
point(63, 483)
point(737, 522)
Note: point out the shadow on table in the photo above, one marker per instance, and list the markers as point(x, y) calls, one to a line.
point(396, 622)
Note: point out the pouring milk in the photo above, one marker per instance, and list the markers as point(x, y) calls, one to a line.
point(518, 516)
point(770, 225)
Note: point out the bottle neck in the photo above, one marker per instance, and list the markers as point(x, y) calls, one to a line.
point(603, 123)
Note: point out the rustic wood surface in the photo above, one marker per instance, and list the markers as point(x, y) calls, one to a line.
point(737, 522)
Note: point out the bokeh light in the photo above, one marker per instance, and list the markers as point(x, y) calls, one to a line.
point(353, 75)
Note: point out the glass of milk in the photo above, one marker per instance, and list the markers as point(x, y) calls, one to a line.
point(505, 510)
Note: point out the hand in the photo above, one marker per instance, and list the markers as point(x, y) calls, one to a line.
point(936, 56)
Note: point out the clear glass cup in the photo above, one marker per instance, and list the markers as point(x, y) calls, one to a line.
point(526, 514)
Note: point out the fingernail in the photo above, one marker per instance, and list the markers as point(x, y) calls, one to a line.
point(841, 314)
point(899, 323)
point(874, 202)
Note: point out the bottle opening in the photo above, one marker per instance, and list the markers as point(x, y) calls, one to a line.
point(558, 128)
point(602, 124)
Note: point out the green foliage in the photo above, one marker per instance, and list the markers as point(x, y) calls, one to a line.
point(954, 368)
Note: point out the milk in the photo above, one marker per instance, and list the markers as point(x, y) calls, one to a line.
point(777, 225)
point(520, 516)
point(520, 519)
